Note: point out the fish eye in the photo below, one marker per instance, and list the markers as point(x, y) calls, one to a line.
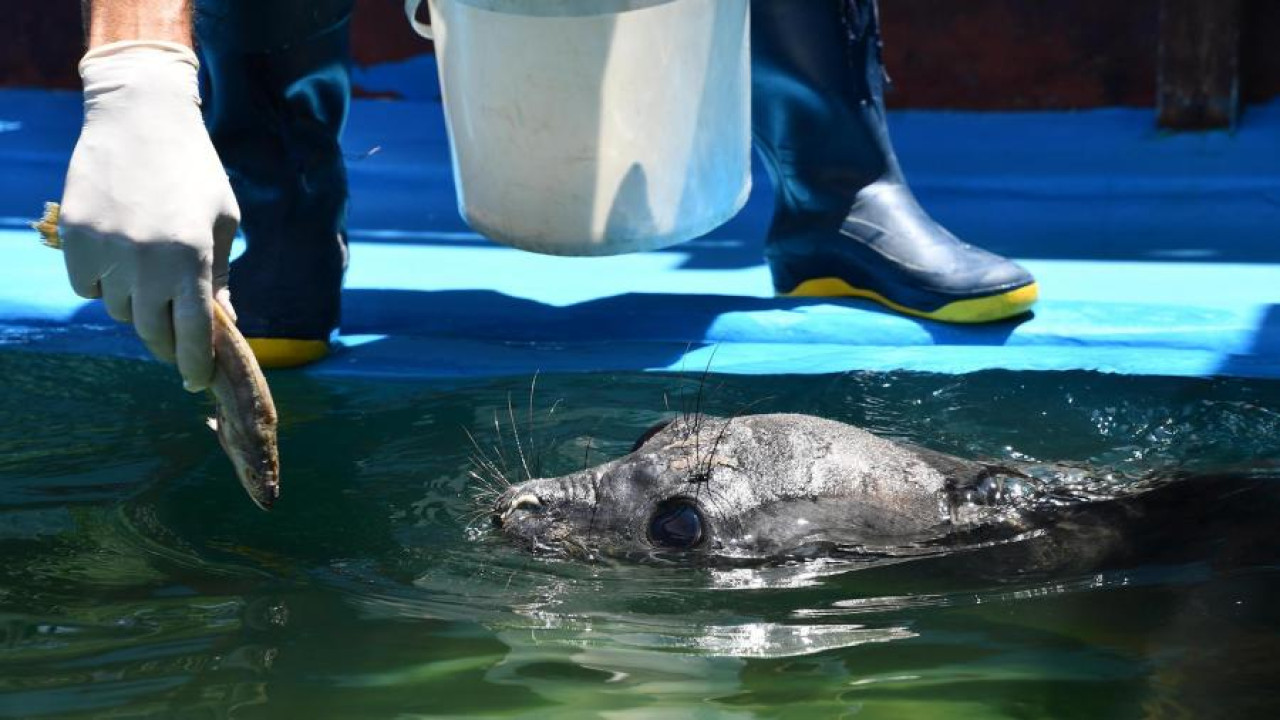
point(676, 525)
point(648, 434)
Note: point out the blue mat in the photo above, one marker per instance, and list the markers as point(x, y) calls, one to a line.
point(1157, 255)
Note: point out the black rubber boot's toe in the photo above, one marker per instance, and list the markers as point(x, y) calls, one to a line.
point(889, 250)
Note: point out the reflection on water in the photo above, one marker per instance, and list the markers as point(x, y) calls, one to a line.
point(137, 581)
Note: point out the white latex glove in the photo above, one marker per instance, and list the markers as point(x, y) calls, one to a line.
point(147, 213)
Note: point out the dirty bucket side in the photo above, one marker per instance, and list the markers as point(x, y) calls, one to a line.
point(599, 133)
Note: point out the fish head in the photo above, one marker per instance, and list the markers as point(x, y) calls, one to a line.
point(253, 454)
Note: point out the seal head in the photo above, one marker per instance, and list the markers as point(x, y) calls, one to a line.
point(753, 487)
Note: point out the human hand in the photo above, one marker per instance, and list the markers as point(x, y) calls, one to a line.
point(147, 212)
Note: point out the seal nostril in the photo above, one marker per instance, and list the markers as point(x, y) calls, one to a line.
point(528, 501)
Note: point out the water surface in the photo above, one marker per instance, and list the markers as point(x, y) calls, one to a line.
point(136, 579)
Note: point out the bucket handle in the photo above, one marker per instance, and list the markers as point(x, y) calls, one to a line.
point(411, 11)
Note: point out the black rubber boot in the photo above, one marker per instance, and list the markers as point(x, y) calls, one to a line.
point(845, 222)
point(276, 98)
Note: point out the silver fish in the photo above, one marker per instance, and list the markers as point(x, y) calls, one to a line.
point(245, 417)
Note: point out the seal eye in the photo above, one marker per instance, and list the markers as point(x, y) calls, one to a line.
point(677, 525)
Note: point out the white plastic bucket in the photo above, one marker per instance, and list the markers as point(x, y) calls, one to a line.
point(595, 127)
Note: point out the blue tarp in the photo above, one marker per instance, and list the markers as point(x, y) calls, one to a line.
point(1156, 254)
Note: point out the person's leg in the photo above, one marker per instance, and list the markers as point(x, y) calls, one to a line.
point(846, 223)
point(276, 99)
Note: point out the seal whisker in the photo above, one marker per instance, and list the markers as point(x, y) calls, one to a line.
point(724, 428)
point(497, 448)
point(474, 515)
point(480, 508)
point(680, 380)
point(515, 433)
point(702, 383)
point(555, 406)
point(487, 465)
point(696, 425)
point(595, 505)
point(701, 419)
point(484, 480)
point(491, 485)
point(482, 459)
point(586, 452)
point(482, 503)
point(703, 483)
point(533, 444)
point(487, 485)
point(698, 418)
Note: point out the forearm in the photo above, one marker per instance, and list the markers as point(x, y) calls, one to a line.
point(147, 212)
point(108, 21)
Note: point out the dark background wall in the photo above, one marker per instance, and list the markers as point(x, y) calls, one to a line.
point(977, 54)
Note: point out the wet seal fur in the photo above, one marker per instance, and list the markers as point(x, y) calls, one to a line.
point(762, 485)
point(786, 486)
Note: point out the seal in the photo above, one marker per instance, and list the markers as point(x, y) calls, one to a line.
point(765, 486)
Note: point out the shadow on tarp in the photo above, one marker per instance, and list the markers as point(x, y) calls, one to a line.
point(652, 330)
point(470, 334)
point(1264, 352)
point(637, 317)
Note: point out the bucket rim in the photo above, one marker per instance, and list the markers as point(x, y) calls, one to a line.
point(562, 8)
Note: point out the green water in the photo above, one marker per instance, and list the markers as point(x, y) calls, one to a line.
point(136, 579)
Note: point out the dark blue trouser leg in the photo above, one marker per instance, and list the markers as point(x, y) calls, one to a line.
point(276, 97)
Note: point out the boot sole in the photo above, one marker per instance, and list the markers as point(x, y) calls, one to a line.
point(991, 308)
point(279, 353)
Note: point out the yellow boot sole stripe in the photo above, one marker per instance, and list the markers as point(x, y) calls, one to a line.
point(972, 310)
point(278, 353)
